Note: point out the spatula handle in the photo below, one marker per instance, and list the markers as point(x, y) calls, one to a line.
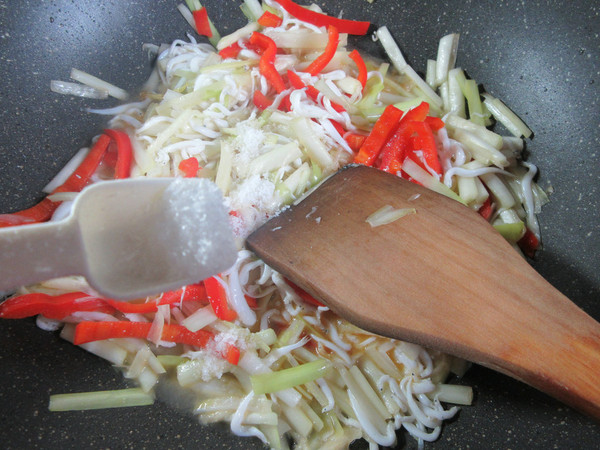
point(38, 252)
point(558, 353)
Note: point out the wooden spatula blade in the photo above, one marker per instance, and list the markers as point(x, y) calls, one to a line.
point(442, 277)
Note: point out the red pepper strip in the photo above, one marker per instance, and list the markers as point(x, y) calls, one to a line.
point(304, 295)
point(529, 243)
point(313, 93)
point(268, 19)
point(111, 156)
point(135, 308)
point(394, 151)
point(355, 141)
point(98, 331)
point(382, 130)
point(435, 123)
point(323, 20)
point(41, 212)
point(180, 334)
point(63, 305)
point(295, 80)
point(285, 104)
point(75, 183)
point(80, 178)
point(202, 23)
point(190, 292)
point(486, 209)
point(218, 299)
point(322, 60)
point(425, 142)
point(266, 65)
point(362, 68)
point(252, 303)
point(261, 101)
point(232, 355)
point(230, 52)
point(418, 113)
point(259, 50)
point(338, 126)
point(189, 167)
point(53, 307)
point(124, 153)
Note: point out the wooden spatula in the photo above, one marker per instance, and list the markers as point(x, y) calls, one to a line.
point(442, 278)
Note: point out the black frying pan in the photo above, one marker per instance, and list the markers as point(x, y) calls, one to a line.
point(541, 57)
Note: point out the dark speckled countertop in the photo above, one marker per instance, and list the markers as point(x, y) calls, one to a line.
point(541, 57)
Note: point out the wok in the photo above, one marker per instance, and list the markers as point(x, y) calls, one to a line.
point(541, 57)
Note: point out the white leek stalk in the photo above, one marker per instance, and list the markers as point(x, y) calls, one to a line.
point(97, 83)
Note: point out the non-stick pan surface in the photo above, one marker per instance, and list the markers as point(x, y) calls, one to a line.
point(541, 57)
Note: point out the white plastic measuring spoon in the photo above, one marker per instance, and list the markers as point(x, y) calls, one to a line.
point(129, 238)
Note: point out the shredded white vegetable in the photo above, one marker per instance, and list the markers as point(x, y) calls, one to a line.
point(97, 83)
point(388, 214)
point(78, 90)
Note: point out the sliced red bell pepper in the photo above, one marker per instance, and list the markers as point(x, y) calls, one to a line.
point(124, 153)
point(295, 80)
point(338, 127)
point(362, 67)
point(424, 141)
point(231, 51)
point(202, 23)
point(304, 295)
point(81, 177)
point(76, 182)
point(232, 355)
point(394, 151)
point(418, 113)
point(133, 308)
point(435, 123)
point(258, 49)
point(529, 243)
point(189, 167)
point(40, 212)
point(97, 331)
point(487, 208)
point(268, 19)
point(323, 20)
point(355, 141)
point(285, 104)
point(218, 299)
point(267, 60)
point(261, 101)
point(190, 292)
point(51, 306)
point(63, 305)
point(381, 132)
point(252, 303)
point(323, 59)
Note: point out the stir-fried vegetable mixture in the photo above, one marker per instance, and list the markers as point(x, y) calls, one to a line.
point(267, 114)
